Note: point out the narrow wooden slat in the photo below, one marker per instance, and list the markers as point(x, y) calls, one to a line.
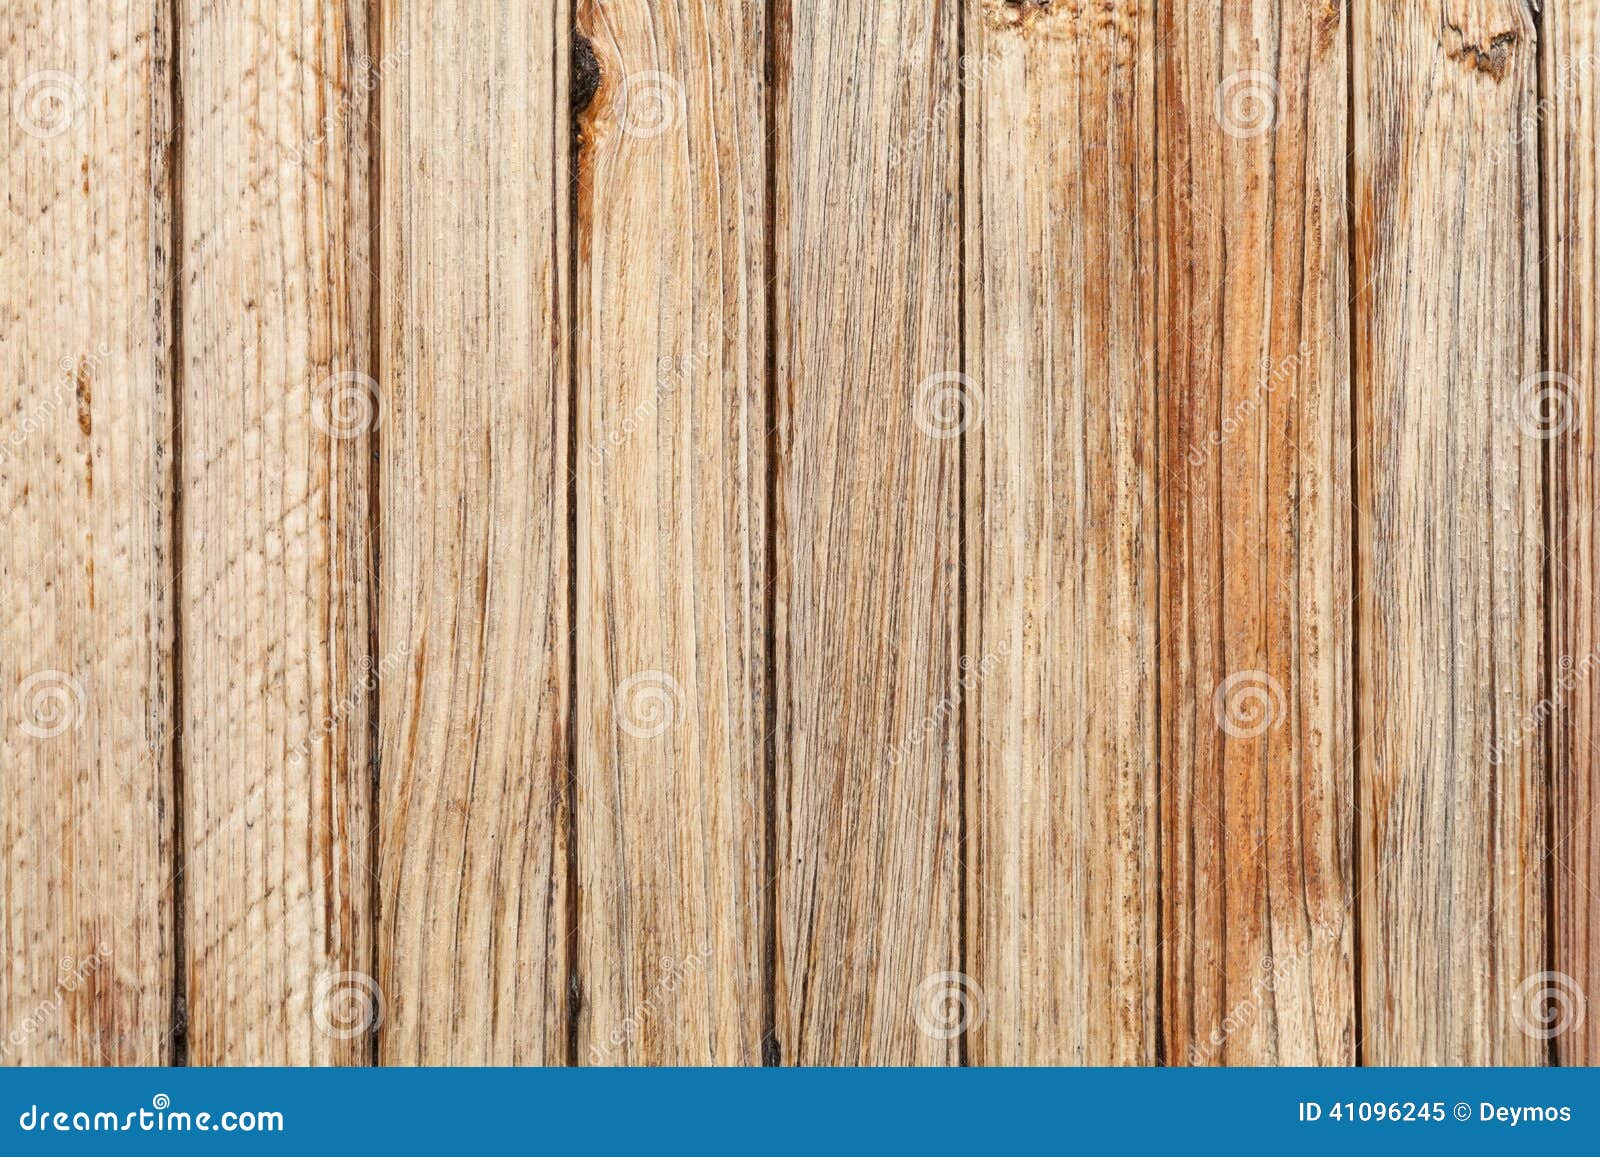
point(278, 409)
point(1564, 406)
point(1060, 662)
point(1450, 624)
point(473, 605)
point(86, 562)
point(1256, 722)
point(672, 429)
point(872, 408)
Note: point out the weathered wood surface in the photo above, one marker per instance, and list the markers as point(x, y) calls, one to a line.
point(275, 533)
point(86, 554)
point(638, 532)
point(1059, 669)
point(1563, 406)
point(671, 414)
point(1450, 618)
point(1256, 582)
point(474, 610)
point(872, 405)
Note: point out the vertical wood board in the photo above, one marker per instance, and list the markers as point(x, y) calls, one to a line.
point(474, 604)
point(278, 410)
point(86, 551)
point(1257, 587)
point(1059, 669)
point(873, 402)
point(671, 410)
point(1450, 635)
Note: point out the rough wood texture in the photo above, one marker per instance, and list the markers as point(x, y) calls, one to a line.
point(474, 608)
point(1255, 527)
point(872, 410)
point(1060, 663)
point(1567, 408)
point(672, 478)
point(276, 454)
point(668, 532)
point(86, 683)
point(1450, 622)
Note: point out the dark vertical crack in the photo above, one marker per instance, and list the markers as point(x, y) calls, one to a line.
point(583, 82)
point(1551, 458)
point(1159, 273)
point(771, 1046)
point(179, 1032)
point(963, 643)
point(374, 552)
point(1353, 314)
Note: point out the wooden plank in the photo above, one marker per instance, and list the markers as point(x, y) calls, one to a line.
point(1060, 661)
point(474, 608)
point(1562, 407)
point(86, 560)
point(278, 408)
point(872, 405)
point(1256, 719)
point(1450, 622)
point(672, 431)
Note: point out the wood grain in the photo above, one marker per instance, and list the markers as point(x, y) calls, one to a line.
point(1563, 406)
point(474, 608)
point(1450, 620)
point(658, 532)
point(872, 408)
point(276, 456)
point(1060, 662)
point(1255, 528)
point(671, 571)
point(86, 557)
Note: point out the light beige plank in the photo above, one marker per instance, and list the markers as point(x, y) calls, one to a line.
point(1256, 590)
point(1562, 407)
point(672, 430)
point(1060, 664)
point(278, 412)
point(1450, 624)
point(867, 329)
point(474, 608)
point(86, 556)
